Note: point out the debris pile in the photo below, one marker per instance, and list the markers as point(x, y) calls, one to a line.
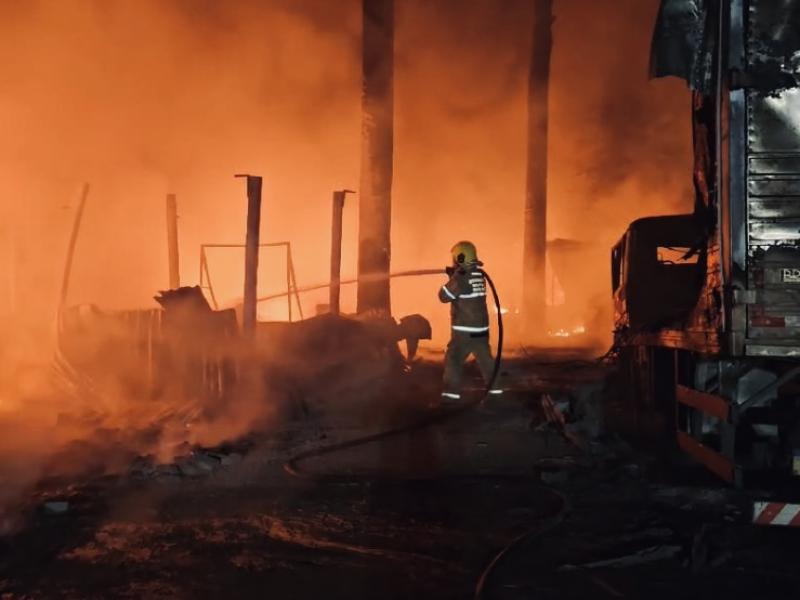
point(197, 463)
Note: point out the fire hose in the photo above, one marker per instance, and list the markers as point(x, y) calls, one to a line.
point(362, 279)
point(436, 417)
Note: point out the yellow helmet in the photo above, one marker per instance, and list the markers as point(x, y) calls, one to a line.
point(464, 253)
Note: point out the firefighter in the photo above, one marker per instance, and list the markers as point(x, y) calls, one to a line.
point(469, 320)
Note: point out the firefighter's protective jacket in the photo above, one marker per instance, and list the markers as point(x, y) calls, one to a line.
point(466, 292)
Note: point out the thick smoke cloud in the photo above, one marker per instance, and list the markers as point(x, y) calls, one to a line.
point(142, 98)
point(619, 146)
point(145, 97)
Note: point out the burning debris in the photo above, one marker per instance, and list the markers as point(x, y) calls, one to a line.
point(563, 333)
point(197, 463)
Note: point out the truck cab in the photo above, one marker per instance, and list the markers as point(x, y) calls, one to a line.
point(657, 273)
point(707, 305)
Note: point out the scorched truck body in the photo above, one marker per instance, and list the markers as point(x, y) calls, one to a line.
point(707, 304)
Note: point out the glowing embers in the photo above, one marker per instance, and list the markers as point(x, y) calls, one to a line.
point(564, 333)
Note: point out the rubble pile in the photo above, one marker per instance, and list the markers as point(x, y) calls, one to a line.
point(197, 463)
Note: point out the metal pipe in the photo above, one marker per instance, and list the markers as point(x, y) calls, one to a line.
point(251, 252)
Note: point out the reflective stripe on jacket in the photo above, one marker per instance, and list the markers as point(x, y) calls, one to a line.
point(466, 293)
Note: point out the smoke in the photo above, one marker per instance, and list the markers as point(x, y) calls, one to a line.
point(147, 97)
point(619, 148)
point(141, 99)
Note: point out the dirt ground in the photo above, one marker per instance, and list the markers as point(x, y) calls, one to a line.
point(420, 515)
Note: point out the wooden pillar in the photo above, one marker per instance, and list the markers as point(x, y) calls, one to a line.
point(535, 242)
point(172, 242)
point(377, 129)
point(336, 250)
point(251, 253)
point(73, 240)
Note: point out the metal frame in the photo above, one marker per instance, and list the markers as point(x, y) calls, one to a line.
point(738, 344)
point(713, 460)
point(690, 407)
point(733, 158)
point(291, 280)
point(710, 404)
point(693, 404)
point(737, 141)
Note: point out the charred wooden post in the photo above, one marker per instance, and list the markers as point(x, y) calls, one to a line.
point(293, 279)
point(535, 242)
point(377, 130)
point(336, 252)
point(73, 240)
point(251, 253)
point(172, 242)
point(336, 249)
point(205, 276)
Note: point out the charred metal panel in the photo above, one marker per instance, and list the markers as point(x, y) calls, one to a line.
point(774, 125)
point(734, 196)
point(773, 175)
point(654, 292)
point(774, 186)
point(767, 350)
point(704, 128)
point(775, 165)
point(684, 41)
point(778, 231)
point(737, 192)
point(742, 59)
point(774, 39)
point(774, 208)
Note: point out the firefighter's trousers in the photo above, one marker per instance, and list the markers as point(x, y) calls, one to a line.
point(461, 345)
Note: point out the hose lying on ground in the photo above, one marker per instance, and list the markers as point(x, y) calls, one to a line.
point(484, 580)
point(435, 417)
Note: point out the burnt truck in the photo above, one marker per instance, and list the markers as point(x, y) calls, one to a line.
point(707, 304)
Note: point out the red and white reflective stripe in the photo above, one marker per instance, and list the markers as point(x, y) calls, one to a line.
point(776, 513)
point(470, 329)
